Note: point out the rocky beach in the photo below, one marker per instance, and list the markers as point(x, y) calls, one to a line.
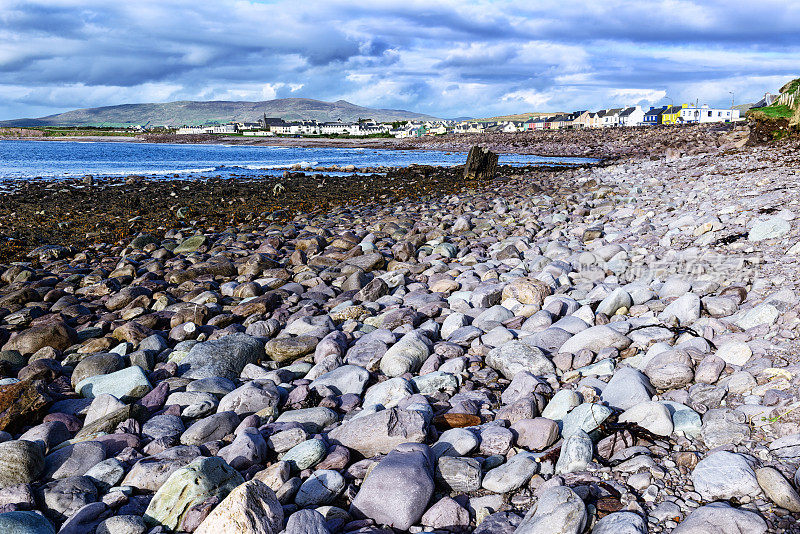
point(605, 349)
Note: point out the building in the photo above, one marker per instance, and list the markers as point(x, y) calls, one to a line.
point(703, 114)
point(633, 116)
point(610, 118)
point(672, 114)
point(653, 116)
point(208, 129)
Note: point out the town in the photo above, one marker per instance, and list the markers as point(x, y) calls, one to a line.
point(606, 118)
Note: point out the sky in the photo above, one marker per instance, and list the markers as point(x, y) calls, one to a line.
point(448, 58)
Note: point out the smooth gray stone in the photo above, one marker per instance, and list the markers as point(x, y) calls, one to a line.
point(224, 357)
point(515, 357)
point(21, 462)
point(627, 388)
point(724, 475)
point(73, 460)
point(250, 398)
point(163, 426)
point(148, 474)
point(62, 498)
point(621, 523)
point(511, 475)
point(343, 380)
point(306, 522)
point(321, 488)
point(248, 449)
point(25, 523)
point(459, 474)
point(558, 510)
point(314, 420)
point(380, 432)
point(721, 518)
point(210, 428)
point(576, 453)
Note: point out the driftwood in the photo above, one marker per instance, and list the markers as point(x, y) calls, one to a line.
point(481, 164)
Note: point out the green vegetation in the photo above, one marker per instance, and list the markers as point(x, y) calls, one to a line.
point(792, 86)
point(771, 112)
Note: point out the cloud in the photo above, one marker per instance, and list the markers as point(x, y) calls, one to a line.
point(447, 58)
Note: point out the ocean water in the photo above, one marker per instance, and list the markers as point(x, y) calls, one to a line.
point(25, 160)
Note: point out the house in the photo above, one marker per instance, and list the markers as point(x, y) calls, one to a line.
point(208, 129)
point(338, 128)
point(703, 114)
point(653, 116)
point(633, 116)
point(578, 119)
point(512, 127)
point(672, 114)
point(559, 122)
point(594, 119)
point(610, 118)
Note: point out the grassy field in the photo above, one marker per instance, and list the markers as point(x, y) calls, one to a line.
point(773, 112)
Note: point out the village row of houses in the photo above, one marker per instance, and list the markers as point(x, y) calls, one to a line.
point(605, 118)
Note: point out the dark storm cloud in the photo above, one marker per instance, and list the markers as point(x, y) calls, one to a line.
point(446, 57)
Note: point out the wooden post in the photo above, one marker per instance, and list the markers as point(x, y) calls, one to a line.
point(481, 164)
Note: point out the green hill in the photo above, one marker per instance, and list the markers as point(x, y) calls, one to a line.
point(196, 113)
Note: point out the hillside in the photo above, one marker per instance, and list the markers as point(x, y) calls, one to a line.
point(195, 113)
point(520, 116)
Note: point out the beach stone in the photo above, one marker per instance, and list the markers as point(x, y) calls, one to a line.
point(619, 298)
point(721, 518)
point(499, 523)
point(216, 385)
point(397, 491)
point(252, 397)
point(762, 314)
point(62, 498)
point(771, 228)
point(126, 385)
point(248, 448)
point(778, 489)
point(670, 369)
point(585, 417)
point(734, 353)
point(595, 339)
point(722, 426)
point(576, 453)
point(102, 405)
point(407, 355)
point(724, 475)
point(388, 393)
point(224, 357)
point(210, 428)
point(189, 486)
point(511, 475)
point(455, 442)
point(459, 474)
point(535, 434)
point(25, 523)
point(686, 309)
point(56, 335)
point(447, 514)
point(163, 426)
point(73, 460)
point(652, 416)
point(306, 522)
point(251, 508)
point(21, 462)
point(106, 474)
point(22, 402)
point(515, 357)
point(380, 432)
point(627, 388)
point(306, 454)
point(343, 380)
point(122, 524)
point(313, 419)
point(560, 404)
point(288, 349)
point(558, 510)
point(621, 523)
point(524, 385)
point(150, 473)
point(323, 487)
point(430, 383)
point(96, 364)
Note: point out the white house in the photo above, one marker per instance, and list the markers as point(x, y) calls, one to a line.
point(693, 114)
point(633, 116)
point(212, 129)
point(610, 118)
point(338, 127)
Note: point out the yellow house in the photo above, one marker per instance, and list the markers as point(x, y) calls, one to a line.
point(672, 114)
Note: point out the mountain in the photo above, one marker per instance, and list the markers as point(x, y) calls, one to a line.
point(196, 113)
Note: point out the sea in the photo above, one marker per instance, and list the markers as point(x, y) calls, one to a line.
point(54, 160)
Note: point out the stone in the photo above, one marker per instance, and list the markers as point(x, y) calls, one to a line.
point(122, 524)
point(560, 404)
point(585, 417)
point(150, 473)
point(721, 518)
point(734, 353)
point(22, 402)
point(535, 434)
point(397, 491)
point(248, 449)
point(724, 475)
point(224, 357)
point(189, 486)
point(163, 426)
point(25, 523)
point(343, 380)
point(652, 416)
point(321, 488)
point(595, 339)
point(762, 314)
point(576, 453)
point(446, 514)
point(101, 406)
point(96, 364)
point(515, 357)
point(685, 309)
point(106, 474)
point(73, 460)
point(56, 335)
point(306, 522)
point(62, 498)
point(306, 454)
point(21, 462)
point(481, 164)
point(771, 228)
point(621, 523)
point(459, 474)
point(288, 349)
point(511, 475)
point(313, 419)
point(254, 396)
point(191, 244)
point(126, 385)
point(778, 489)
point(407, 355)
point(722, 427)
point(380, 432)
point(619, 298)
point(670, 369)
point(627, 388)
point(210, 428)
point(558, 510)
point(251, 508)
point(388, 393)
